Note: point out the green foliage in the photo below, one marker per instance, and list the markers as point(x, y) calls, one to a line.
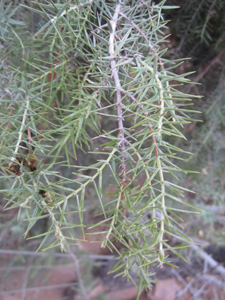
point(93, 78)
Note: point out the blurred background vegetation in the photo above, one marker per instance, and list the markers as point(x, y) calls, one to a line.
point(197, 31)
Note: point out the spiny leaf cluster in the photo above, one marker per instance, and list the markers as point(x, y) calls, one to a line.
point(59, 97)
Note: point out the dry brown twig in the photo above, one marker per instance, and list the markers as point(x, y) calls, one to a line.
point(216, 60)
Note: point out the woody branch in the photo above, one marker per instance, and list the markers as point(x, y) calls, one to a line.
point(116, 78)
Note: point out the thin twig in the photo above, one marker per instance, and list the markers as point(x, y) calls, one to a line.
point(11, 108)
point(184, 283)
point(62, 255)
point(66, 11)
point(187, 31)
point(11, 112)
point(3, 233)
point(23, 294)
point(115, 75)
point(58, 231)
point(146, 4)
point(147, 40)
point(39, 267)
point(205, 71)
point(96, 29)
point(161, 97)
point(76, 263)
point(21, 130)
point(200, 290)
point(214, 280)
point(39, 288)
point(159, 165)
point(3, 76)
point(154, 51)
point(29, 135)
point(212, 262)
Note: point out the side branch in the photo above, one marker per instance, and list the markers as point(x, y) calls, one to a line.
point(115, 75)
point(153, 50)
point(21, 130)
point(159, 165)
point(146, 38)
point(161, 95)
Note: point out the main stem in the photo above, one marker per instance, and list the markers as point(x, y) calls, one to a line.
point(115, 75)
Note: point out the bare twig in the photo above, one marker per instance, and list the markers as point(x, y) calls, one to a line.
point(3, 233)
point(184, 283)
point(214, 280)
point(62, 255)
point(39, 267)
point(216, 60)
point(212, 262)
point(200, 290)
point(39, 288)
point(76, 263)
point(23, 294)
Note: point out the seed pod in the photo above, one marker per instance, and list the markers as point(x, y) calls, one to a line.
point(32, 162)
point(45, 194)
point(15, 167)
point(42, 193)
